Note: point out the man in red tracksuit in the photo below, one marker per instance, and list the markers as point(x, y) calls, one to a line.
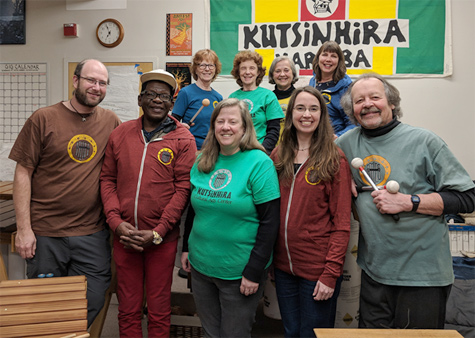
point(145, 187)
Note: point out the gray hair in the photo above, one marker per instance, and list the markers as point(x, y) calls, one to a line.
point(392, 95)
point(274, 64)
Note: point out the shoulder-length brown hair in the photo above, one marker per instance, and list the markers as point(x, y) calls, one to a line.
point(323, 153)
point(332, 47)
point(245, 56)
point(210, 150)
point(205, 54)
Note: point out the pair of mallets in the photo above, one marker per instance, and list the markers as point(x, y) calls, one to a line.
point(392, 186)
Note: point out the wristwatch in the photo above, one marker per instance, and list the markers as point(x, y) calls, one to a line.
point(157, 239)
point(415, 202)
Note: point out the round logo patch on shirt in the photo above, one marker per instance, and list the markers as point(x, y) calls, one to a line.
point(377, 168)
point(220, 179)
point(311, 176)
point(82, 148)
point(327, 97)
point(165, 156)
point(250, 105)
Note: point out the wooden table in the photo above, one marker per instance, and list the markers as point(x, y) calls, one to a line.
point(383, 333)
point(6, 190)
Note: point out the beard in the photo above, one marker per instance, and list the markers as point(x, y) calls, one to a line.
point(81, 97)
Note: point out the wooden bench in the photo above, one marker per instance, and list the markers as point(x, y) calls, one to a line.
point(7, 228)
point(44, 307)
point(7, 216)
point(6, 190)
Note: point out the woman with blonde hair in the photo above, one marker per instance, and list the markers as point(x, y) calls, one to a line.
point(315, 187)
point(235, 195)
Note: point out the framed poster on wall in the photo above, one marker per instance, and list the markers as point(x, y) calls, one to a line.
point(12, 22)
point(179, 29)
point(181, 72)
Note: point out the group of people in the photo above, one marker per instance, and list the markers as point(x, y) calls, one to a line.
point(270, 188)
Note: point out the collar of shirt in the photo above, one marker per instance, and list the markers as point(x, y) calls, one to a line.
point(166, 126)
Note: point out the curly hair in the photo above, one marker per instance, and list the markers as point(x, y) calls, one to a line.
point(245, 56)
point(205, 54)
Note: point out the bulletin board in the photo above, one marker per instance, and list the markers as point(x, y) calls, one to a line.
point(124, 86)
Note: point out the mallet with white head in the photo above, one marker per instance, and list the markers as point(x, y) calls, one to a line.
point(204, 103)
point(392, 187)
point(358, 163)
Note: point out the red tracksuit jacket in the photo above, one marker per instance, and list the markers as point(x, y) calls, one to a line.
point(314, 225)
point(147, 184)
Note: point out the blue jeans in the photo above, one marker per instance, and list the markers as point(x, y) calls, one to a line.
point(300, 312)
point(223, 310)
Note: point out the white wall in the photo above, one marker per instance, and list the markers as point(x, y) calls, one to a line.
point(443, 105)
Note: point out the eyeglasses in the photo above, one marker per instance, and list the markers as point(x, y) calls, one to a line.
point(204, 65)
point(93, 82)
point(303, 109)
point(153, 96)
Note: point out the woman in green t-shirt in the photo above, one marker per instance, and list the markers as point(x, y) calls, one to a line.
point(262, 103)
point(236, 198)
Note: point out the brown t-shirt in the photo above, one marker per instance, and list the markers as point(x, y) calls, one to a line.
point(66, 155)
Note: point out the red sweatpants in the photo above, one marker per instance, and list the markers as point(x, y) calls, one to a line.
point(154, 267)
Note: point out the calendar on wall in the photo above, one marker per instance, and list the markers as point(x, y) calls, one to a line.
point(23, 89)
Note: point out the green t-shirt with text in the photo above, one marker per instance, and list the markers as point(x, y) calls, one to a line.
point(226, 221)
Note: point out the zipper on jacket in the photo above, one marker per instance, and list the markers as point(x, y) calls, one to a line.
point(139, 182)
point(291, 193)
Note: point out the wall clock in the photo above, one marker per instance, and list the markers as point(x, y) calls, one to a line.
point(110, 33)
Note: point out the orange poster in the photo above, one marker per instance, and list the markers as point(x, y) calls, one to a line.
point(179, 34)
